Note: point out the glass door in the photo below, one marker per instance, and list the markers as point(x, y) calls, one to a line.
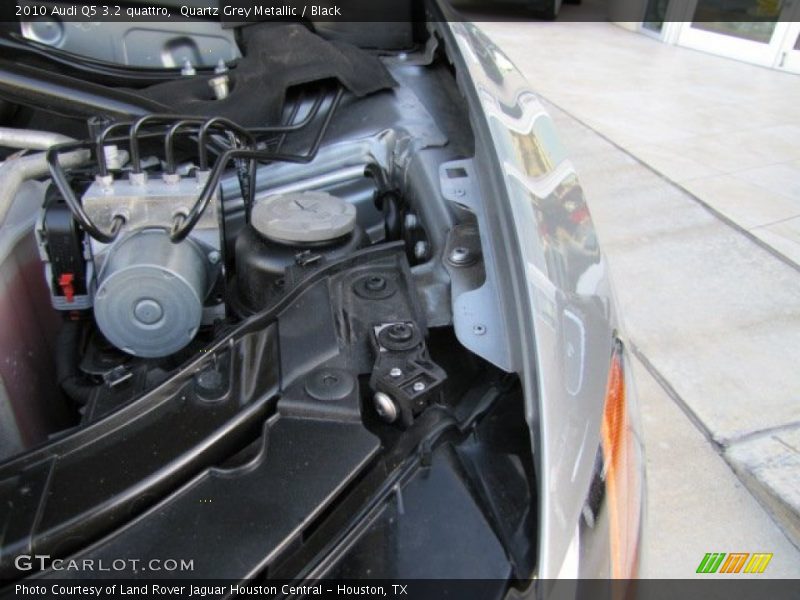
point(789, 58)
point(749, 30)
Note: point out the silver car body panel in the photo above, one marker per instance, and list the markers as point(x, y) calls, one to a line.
point(566, 296)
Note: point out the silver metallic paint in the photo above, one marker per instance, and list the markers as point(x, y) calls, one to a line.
point(564, 364)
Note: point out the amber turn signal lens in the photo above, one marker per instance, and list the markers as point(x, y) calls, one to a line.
point(623, 491)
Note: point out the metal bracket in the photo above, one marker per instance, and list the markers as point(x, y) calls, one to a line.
point(478, 322)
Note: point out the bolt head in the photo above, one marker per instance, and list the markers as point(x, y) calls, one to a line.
point(106, 181)
point(188, 69)
point(419, 387)
point(138, 178)
point(460, 255)
point(220, 86)
point(385, 407)
point(395, 372)
point(400, 332)
point(171, 178)
point(210, 384)
point(209, 379)
point(375, 283)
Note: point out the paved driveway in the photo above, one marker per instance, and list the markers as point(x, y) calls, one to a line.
point(726, 131)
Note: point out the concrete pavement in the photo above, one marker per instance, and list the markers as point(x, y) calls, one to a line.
point(695, 502)
point(725, 131)
point(710, 305)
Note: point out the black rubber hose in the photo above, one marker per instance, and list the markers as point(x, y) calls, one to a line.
point(100, 152)
point(67, 359)
point(219, 123)
point(133, 135)
point(391, 215)
point(169, 144)
point(67, 96)
point(26, 51)
point(182, 229)
point(102, 139)
point(62, 183)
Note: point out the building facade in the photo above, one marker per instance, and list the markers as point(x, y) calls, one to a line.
point(761, 32)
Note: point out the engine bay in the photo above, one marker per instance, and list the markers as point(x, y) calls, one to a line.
point(153, 247)
point(260, 312)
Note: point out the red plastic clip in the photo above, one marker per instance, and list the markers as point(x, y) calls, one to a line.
point(65, 282)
